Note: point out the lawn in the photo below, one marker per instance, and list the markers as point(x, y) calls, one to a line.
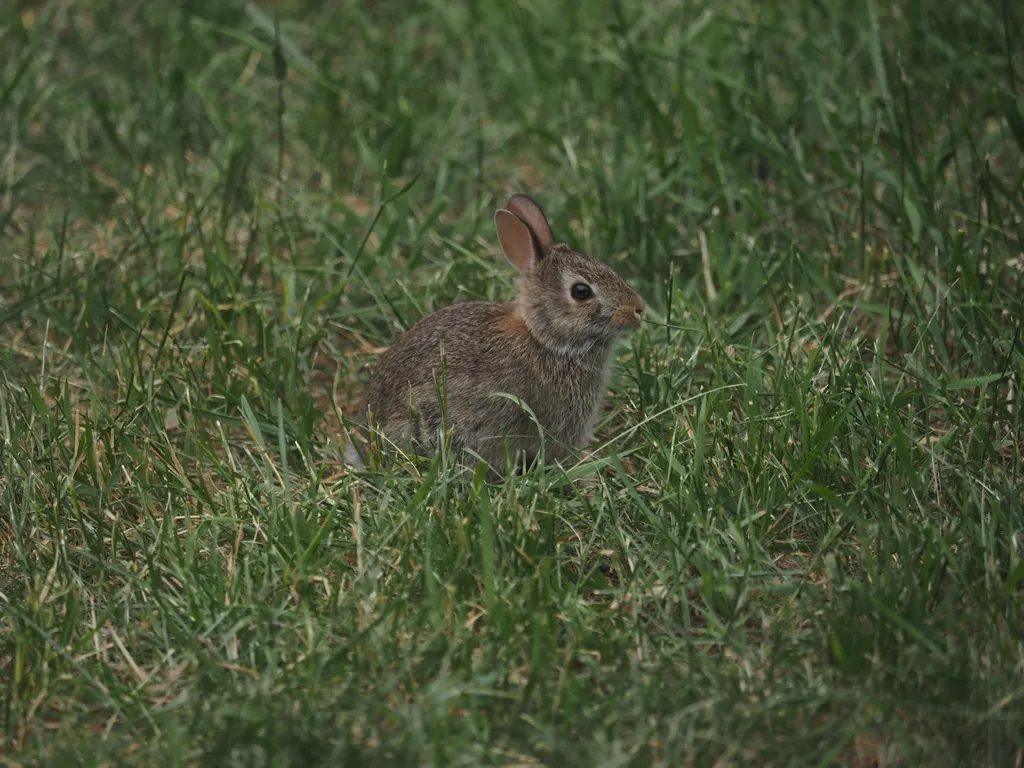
point(801, 538)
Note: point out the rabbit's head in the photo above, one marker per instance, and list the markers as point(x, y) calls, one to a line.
point(571, 302)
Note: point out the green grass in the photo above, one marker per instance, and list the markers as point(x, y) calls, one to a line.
point(806, 545)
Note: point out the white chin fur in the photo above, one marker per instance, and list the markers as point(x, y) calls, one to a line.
point(574, 350)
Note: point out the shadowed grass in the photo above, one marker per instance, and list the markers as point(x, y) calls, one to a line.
point(801, 541)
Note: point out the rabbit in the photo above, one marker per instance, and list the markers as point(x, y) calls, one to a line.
point(551, 348)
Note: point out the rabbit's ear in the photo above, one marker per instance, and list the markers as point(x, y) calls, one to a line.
point(526, 209)
point(517, 241)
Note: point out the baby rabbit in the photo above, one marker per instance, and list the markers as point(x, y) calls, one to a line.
point(551, 348)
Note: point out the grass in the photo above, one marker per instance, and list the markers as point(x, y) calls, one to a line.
point(804, 547)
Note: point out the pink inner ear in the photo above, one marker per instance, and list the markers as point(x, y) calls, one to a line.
point(526, 209)
point(516, 241)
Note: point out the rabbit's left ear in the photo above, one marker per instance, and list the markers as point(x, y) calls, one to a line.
point(526, 209)
point(517, 241)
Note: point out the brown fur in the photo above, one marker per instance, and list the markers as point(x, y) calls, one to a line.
point(549, 350)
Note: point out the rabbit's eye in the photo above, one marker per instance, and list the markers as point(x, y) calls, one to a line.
point(581, 291)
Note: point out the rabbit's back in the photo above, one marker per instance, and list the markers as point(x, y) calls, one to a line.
point(486, 349)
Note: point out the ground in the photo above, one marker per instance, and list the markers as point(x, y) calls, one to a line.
point(800, 536)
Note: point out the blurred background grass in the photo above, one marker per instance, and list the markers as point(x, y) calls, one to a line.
point(805, 546)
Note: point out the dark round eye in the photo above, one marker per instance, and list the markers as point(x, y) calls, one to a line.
point(581, 291)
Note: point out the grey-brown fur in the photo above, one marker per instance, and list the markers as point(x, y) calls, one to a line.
point(547, 348)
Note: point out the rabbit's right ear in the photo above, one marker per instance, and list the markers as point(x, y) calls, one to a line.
point(527, 209)
point(517, 241)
